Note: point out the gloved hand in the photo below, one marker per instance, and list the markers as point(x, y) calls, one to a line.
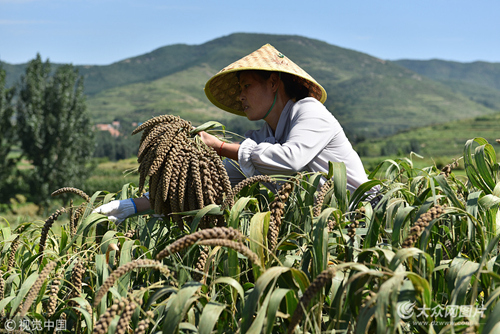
point(117, 210)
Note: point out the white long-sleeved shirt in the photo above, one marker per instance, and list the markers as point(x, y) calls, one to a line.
point(307, 137)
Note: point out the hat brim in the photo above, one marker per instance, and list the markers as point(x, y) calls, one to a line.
point(223, 89)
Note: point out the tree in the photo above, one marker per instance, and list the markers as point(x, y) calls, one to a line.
point(8, 139)
point(55, 131)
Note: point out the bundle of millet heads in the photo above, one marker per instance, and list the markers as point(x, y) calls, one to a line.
point(184, 173)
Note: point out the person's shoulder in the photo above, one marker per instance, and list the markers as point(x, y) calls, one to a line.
point(259, 134)
point(310, 102)
point(311, 107)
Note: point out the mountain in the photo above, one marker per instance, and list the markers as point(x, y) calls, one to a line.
point(369, 96)
point(480, 81)
point(440, 142)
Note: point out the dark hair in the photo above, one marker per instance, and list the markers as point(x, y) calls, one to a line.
point(293, 88)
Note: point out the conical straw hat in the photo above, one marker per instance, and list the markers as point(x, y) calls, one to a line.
point(223, 89)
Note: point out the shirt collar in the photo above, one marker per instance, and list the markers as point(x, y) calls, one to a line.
point(282, 122)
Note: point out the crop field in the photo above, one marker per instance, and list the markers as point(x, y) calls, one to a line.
point(308, 258)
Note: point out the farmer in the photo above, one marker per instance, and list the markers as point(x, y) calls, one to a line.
point(299, 133)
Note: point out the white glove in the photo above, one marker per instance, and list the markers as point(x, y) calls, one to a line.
point(117, 210)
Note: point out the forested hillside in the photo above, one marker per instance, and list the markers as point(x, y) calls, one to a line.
point(370, 97)
point(480, 81)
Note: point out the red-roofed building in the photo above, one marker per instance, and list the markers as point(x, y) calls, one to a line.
point(108, 127)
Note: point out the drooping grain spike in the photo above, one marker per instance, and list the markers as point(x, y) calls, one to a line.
point(76, 191)
point(161, 142)
point(12, 253)
point(190, 239)
point(191, 192)
point(277, 208)
point(237, 246)
point(155, 120)
point(224, 178)
point(46, 229)
point(76, 279)
point(73, 223)
point(165, 150)
point(197, 183)
point(153, 185)
point(182, 182)
point(2, 285)
point(123, 322)
point(173, 195)
point(320, 197)
point(35, 288)
point(54, 290)
point(422, 222)
point(206, 182)
point(157, 194)
point(216, 180)
point(151, 137)
point(142, 325)
point(101, 326)
point(122, 270)
point(200, 264)
point(316, 285)
point(243, 184)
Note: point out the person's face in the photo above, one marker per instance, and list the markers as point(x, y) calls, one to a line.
point(256, 95)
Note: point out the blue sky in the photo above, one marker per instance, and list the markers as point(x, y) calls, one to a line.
point(105, 31)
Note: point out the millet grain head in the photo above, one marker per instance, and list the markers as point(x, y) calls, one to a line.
point(150, 137)
point(76, 278)
point(277, 208)
point(123, 323)
point(237, 246)
point(142, 325)
point(35, 288)
point(76, 191)
point(320, 197)
point(157, 120)
point(422, 222)
point(2, 285)
point(165, 152)
point(243, 184)
point(73, 222)
point(11, 263)
point(180, 190)
point(190, 192)
point(197, 182)
point(316, 285)
point(175, 163)
point(122, 270)
point(200, 264)
point(45, 231)
point(171, 195)
point(54, 290)
point(191, 239)
point(101, 326)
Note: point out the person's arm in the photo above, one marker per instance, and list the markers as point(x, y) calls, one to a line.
point(224, 149)
point(119, 210)
point(142, 204)
point(310, 132)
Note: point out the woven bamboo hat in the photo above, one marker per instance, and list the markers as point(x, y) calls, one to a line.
point(223, 89)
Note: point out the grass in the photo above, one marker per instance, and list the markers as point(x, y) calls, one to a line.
point(107, 175)
point(340, 264)
point(112, 175)
point(436, 142)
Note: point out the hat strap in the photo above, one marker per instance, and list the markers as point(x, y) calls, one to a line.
point(274, 102)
